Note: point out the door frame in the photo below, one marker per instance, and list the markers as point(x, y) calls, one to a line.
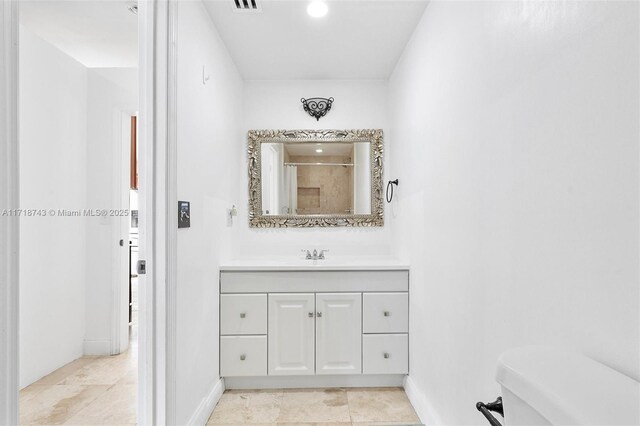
point(157, 31)
point(9, 226)
point(158, 216)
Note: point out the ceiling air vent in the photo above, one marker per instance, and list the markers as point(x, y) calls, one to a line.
point(247, 6)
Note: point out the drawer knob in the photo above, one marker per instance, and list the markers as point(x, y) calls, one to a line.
point(243, 315)
point(319, 314)
point(386, 355)
point(310, 314)
point(387, 313)
point(243, 357)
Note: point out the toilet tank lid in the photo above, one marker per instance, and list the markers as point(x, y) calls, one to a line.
point(568, 388)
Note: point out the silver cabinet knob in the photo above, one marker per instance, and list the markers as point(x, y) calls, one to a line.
point(243, 357)
point(319, 314)
point(386, 355)
point(243, 315)
point(310, 314)
point(387, 313)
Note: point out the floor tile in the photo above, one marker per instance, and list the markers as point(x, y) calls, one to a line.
point(262, 407)
point(316, 424)
point(55, 404)
point(30, 391)
point(314, 406)
point(63, 372)
point(241, 423)
point(130, 377)
point(386, 424)
point(102, 371)
point(380, 405)
point(116, 406)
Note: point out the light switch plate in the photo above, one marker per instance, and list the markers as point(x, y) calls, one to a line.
point(184, 214)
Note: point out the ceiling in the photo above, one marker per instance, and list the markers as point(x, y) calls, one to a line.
point(358, 39)
point(98, 34)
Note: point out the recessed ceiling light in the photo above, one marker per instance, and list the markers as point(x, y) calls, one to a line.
point(318, 150)
point(317, 9)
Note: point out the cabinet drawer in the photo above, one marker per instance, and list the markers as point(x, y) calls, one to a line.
point(385, 313)
point(385, 354)
point(243, 356)
point(243, 314)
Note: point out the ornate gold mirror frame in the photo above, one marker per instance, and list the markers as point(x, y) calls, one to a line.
point(258, 137)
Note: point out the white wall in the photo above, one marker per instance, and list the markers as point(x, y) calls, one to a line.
point(209, 138)
point(276, 105)
point(53, 120)
point(111, 93)
point(515, 138)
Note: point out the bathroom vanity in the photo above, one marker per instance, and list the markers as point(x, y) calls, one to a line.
point(314, 324)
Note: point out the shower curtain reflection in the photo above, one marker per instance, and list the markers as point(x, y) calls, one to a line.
point(291, 190)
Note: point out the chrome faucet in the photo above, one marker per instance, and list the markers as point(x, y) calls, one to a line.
point(315, 255)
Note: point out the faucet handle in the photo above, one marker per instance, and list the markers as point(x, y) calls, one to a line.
point(322, 252)
point(308, 254)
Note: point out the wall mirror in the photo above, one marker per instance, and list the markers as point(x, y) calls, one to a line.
point(305, 178)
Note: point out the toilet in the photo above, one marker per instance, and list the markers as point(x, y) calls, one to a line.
point(550, 386)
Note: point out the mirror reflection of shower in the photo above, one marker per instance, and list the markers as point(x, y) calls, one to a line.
point(316, 179)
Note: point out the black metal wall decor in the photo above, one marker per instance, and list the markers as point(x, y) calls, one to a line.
point(317, 107)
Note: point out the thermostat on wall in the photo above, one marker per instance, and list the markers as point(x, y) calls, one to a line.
point(184, 214)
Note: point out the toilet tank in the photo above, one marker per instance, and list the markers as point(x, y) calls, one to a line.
point(548, 386)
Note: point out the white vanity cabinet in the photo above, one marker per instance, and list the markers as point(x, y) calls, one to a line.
point(317, 323)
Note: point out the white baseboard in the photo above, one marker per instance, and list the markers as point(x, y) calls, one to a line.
point(204, 410)
point(423, 407)
point(96, 347)
point(301, 382)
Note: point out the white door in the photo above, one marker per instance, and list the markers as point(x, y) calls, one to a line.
point(291, 334)
point(339, 333)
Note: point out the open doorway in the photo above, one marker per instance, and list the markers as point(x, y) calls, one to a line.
point(78, 96)
point(132, 301)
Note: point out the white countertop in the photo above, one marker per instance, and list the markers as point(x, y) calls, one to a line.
point(369, 263)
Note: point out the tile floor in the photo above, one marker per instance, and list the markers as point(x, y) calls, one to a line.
point(88, 391)
point(354, 406)
point(99, 390)
point(102, 391)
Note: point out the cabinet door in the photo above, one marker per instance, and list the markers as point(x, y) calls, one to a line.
point(291, 334)
point(339, 333)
